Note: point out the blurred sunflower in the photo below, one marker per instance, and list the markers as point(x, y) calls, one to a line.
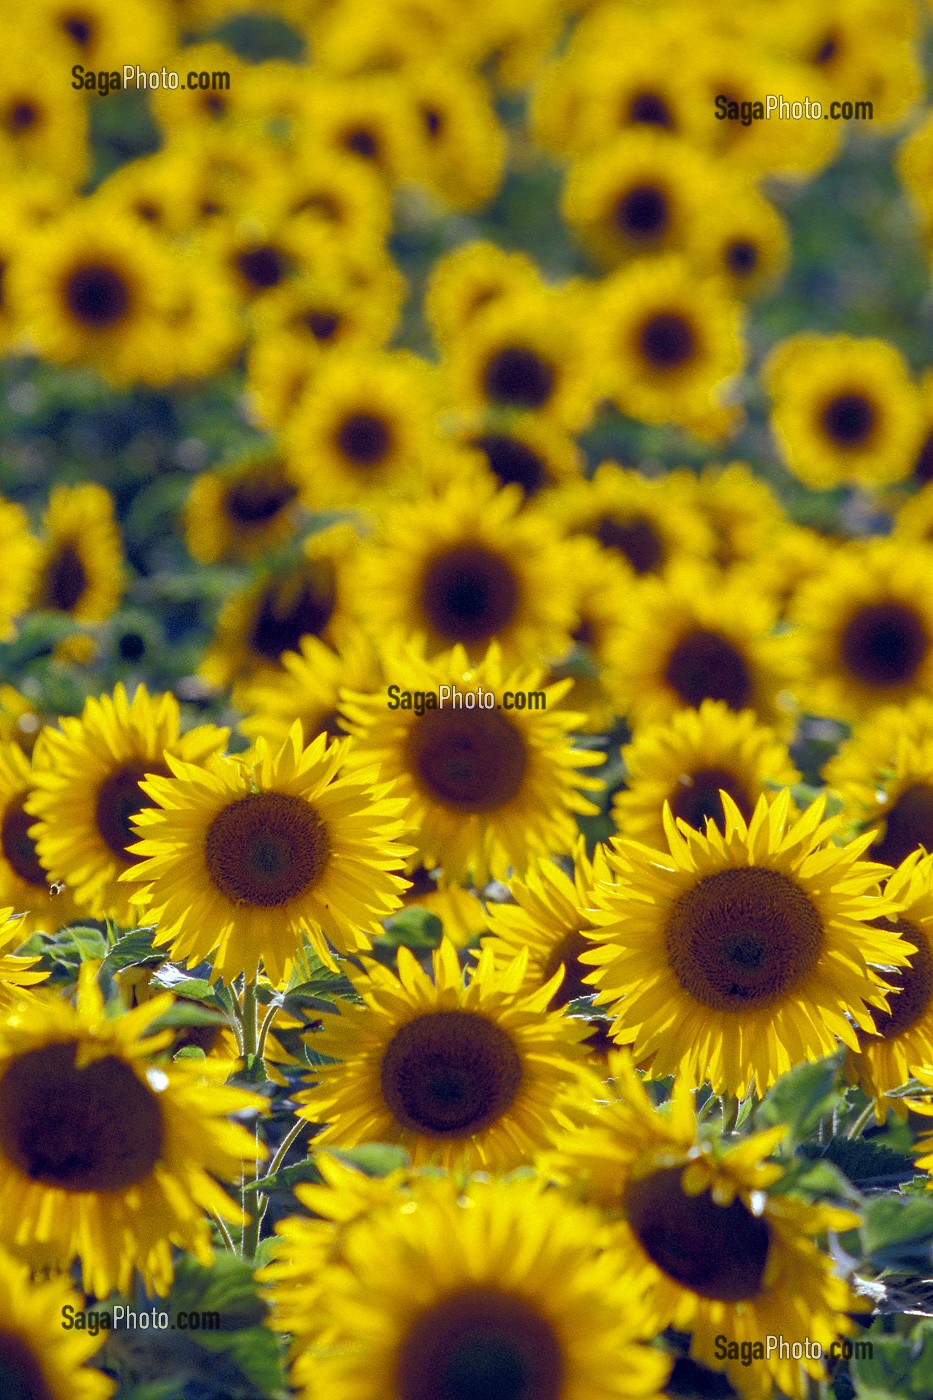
point(86, 787)
point(865, 628)
point(488, 788)
point(242, 512)
point(21, 556)
point(337, 193)
point(39, 1360)
point(602, 592)
point(101, 34)
point(309, 689)
point(689, 761)
point(243, 860)
point(726, 1258)
point(870, 49)
point(463, 144)
point(189, 109)
point(464, 1073)
point(469, 279)
point(743, 239)
point(844, 410)
point(82, 568)
point(743, 511)
point(794, 555)
point(348, 303)
point(108, 1154)
point(738, 954)
point(499, 1288)
point(370, 118)
point(43, 126)
point(24, 882)
point(525, 451)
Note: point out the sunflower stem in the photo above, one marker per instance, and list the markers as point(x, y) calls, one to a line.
point(250, 1021)
point(262, 1200)
point(227, 1237)
point(265, 1028)
point(730, 1112)
point(861, 1121)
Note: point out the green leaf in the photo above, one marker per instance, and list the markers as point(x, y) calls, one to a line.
point(412, 928)
point(186, 1013)
point(801, 1099)
point(374, 1158)
point(132, 950)
point(899, 1368)
point(191, 988)
point(189, 1052)
point(89, 943)
point(868, 1164)
point(285, 1179)
point(898, 1232)
point(817, 1179)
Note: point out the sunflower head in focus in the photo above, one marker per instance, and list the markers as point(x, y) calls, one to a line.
point(39, 1360)
point(242, 861)
point(736, 954)
point(724, 1256)
point(107, 1153)
point(242, 512)
point(489, 783)
point(464, 1073)
point(24, 881)
point(86, 788)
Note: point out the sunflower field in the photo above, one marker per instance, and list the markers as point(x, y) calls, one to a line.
point(466, 700)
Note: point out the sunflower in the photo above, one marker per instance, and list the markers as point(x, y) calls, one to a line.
point(844, 410)
point(82, 568)
point(464, 1073)
point(500, 1289)
point(39, 1358)
point(669, 340)
point(86, 787)
point(725, 1256)
point(244, 860)
point(108, 1153)
point(16, 972)
point(337, 193)
point(21, 556)
point(603, 593)
point(794, 555)
point(243, 512)
point(745, 515)
point(43, 126)
point(869, 49)
point(100, 34)
point(866, 628)
point(488, 787)
point(689, 761)
point(744, 240)
point(693, 639)
point(95, 289)
point(183, 110)
point(463, 143)
point(204, 328)
point(524, 451)
point(370, 118)
point(470, 278)
point(737, 954)
point(349, 303)
point(24, 882)
point(469, 567)
point(460, 910)
point(309, 688)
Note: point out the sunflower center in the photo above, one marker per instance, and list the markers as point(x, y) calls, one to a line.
point(21, 116)
point(362, 142)
point(741, 256)
point(637, 539)
point(885, 644)
point(717, 1251)
point(65, 580)
point(469, 760)
point(93, 1128)
point(743, 938)
point(323, 325)
point(364, 439)
point(913, 984)
point(519, 378)
point(21, 1375)
point(266, 849)
point(120, 798)
point(79, 27)
point(19, 849)
point(434, 121)
point(567, 955)
point(908, 824)
point(469, 594)
point(643, 213)
point(697, 797)
point(705, 666)
point(450, 1074)
point(294, 608)
point(97, 295)
point(480, 1344)
point(649, 109)
point(667, 340)
point(262, 267)
point(258, 497)
point(849, 419)
point(923, 467)
point(512, 461)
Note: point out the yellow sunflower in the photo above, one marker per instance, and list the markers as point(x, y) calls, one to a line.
point(865, 629)
point(469, 279)
point(21, 555)
point(243, 861)
point(82, 567)
point(726, 1258)
point(336, 193)
point(15, 972)
point(743, 511)
point(86, 787)
point(463, 144)
point(108, 1153)
point(369, 118)
point(743, 239)
point(497, 1289)
point(488, 787)
point(43, 126)
point(309, 689)
point(100, 34)
point(41, 1357)
point(689, 761)
point(734, 955)
point(350, 302)
point(844, 410)
point(794, 554)
point(242, 512)
point(524, 451)
point(464, 1073)
point(24, 882)
point(603, 593)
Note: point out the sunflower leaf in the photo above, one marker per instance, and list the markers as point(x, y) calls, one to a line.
point(898, 1368)
point(801, 1099)
point(412, 928)
point(186, 1013)
point(898, 1232)
point(132, 950)
point(285, 1179)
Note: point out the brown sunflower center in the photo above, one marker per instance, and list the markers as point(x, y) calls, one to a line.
point(450, 1074)
point(716, 1251)
point(650, 109)
point(741, 256)
point(706, 666)
point(120, 798)
point(512, 461)
point(470, 760)
point(519, 378)
point(469, 594)
point(743, 938)
point(923, 466)
point(913, 984)
point(908, 824)
point(667, 340)
point(849, 419)
point(266, 849)
point(18, 847)
point(480, 1344)
point(364, 439)
point(643, 213)
point(292, 608)
point(636, 538)
point(261, 268)
point(80, 27)
point(21, 1374)
point(567, 955)
point(65, 579)
point(97, 295)
point(697, 798)
point(21, 116)
point(362, 141)
point(434, 121)
point(885, 644)
point(93, 1128)
point(323, 324)
point(258, 497)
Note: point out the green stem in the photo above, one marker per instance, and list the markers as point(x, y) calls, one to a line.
point(730, 1112)
point(265, 1028)
point(250, 1011)
point(861, 1122)
point(228, 1238)
point(262, 1200)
